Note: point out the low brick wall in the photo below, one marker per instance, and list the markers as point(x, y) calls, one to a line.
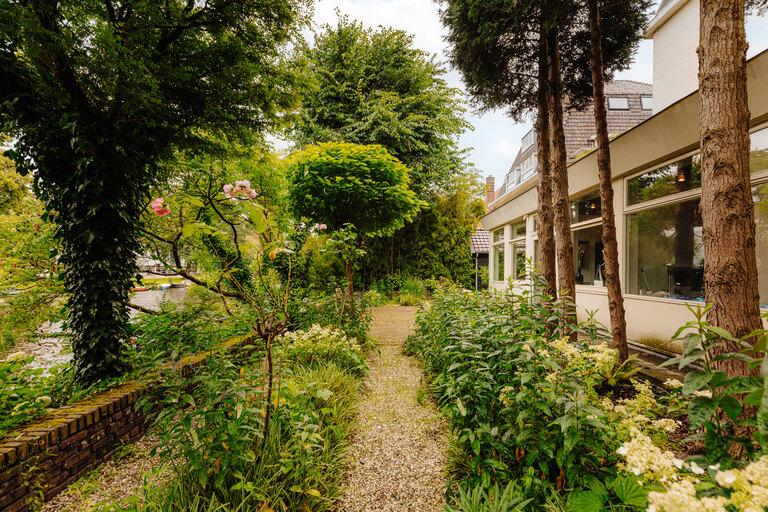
point(42, 459)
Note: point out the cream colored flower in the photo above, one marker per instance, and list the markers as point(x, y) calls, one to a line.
point(16, 356)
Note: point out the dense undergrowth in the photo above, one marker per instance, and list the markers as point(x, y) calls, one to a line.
point(552, 424)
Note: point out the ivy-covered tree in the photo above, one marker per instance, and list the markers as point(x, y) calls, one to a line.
point(341, 185)
point(97, 92)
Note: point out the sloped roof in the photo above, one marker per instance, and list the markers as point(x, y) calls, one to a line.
point(479, 242)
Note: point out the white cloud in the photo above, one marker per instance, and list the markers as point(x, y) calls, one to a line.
point(505, 149)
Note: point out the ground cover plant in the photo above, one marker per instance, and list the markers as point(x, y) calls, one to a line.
point(565, 421)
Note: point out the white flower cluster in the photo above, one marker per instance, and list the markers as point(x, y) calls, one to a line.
point(603, 357)
point(645, 458)
point(681, 497)
point(749, 486)
point(676, 384)
point(564, 346)
point(15, 357)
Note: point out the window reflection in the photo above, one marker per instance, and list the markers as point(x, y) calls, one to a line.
point(588, 259)
point(680, 176)
point(586, 207)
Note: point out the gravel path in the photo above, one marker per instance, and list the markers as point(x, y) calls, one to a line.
point(398, 452)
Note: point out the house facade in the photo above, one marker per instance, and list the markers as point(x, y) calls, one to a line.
point(656, 179)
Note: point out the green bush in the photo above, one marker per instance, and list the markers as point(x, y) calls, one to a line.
point(321, 345)
point(413, 286)
point(525, 404)
point(407, 299)
point(351, 316)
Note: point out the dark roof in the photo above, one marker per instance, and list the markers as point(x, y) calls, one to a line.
point(580, 126)
point(479, 242)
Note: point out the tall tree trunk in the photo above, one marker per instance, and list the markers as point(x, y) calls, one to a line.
point(348, 268)
point(558, 162)
point(546, 229)
point(610, 244)
point(730, 264)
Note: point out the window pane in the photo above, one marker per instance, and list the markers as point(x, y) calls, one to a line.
point(618, 103)
point(585, 208)
point(498, 262)
point(760, 196)
point(518, 230)
point(588, 256)
point(646, 102)
point(665, 257)
point(758, 156)
point(518, 253)
point(685, 174)
point(498, 235)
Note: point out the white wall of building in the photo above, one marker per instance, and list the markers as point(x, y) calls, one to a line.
point(675, 33)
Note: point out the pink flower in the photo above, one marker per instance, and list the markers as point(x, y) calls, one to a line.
point(243, 186)
point(252, 194)
point(229, 190)
point(322, 227)
point(158, 208)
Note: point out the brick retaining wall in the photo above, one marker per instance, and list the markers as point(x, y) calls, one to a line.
point(42, 459)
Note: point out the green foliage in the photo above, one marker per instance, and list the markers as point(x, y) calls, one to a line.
point(373, 87)
point(436, 243)
point(351, 316)
point(318, 345)
point(30, 284)
point(408, 299)
point(26, 393)
point(478, 500)
point(719, 402)
point(526, 405)
point(340, 183)
point(13, 186)
point(96, 96)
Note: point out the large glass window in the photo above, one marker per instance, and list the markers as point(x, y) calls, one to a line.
point(588, 261)
point(665, 257)
point(586, 207)
point(760, 197)
point(685, 174)
point(518, 229)
point(518, 255)
point(680, 176)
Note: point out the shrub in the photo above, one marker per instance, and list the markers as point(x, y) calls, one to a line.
point(413, 286)
point(407, 299)
point(351, 316)
point(321, 345)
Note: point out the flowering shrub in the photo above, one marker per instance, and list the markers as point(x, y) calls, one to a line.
point(318, 345)
point(351, 316)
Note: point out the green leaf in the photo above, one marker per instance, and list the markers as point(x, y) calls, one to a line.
point(695, 380)
point(731, 406)
point(460, 406)
point(257, 217)
point(700, 410)
point(585, 501)
point(762, 416)
point(630, 492)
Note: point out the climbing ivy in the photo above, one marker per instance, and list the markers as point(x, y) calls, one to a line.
point(96, 93)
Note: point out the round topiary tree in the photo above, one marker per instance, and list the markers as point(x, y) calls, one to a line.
point(341, 184)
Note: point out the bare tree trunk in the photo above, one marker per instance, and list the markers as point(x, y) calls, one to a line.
point(348, 268)
point(730, 264)
point(546, 229)
point(558, 161)
point(610, 244)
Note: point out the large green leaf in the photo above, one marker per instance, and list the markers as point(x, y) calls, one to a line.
point(630, 492)
point(700, 410)
point(585, 501)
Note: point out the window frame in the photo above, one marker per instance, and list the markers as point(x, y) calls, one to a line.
point(642, 103)
point(622, 109)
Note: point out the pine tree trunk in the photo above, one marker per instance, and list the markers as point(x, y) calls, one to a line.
point(350, 286)
point(546, 230)
point(730, 265)
point(610, 244)
point(558, 161)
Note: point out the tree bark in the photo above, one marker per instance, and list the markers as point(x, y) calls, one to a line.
point(546, 230)
point(348, 268)
point(610, 244)
point(558, 164)
point(730, 264)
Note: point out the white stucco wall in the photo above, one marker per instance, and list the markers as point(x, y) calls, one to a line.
point(675, 62)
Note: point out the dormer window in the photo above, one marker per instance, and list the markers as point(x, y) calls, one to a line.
point(647, 102)
point(618, 103)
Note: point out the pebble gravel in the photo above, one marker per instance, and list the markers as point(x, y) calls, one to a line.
point(399, 449)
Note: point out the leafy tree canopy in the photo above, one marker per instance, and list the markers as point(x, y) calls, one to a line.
point(98, 92)
point(339, 183)
point(373, 87)
point(13, 186)
point(495, 46)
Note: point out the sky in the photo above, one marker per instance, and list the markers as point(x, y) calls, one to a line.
point(495, 139)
